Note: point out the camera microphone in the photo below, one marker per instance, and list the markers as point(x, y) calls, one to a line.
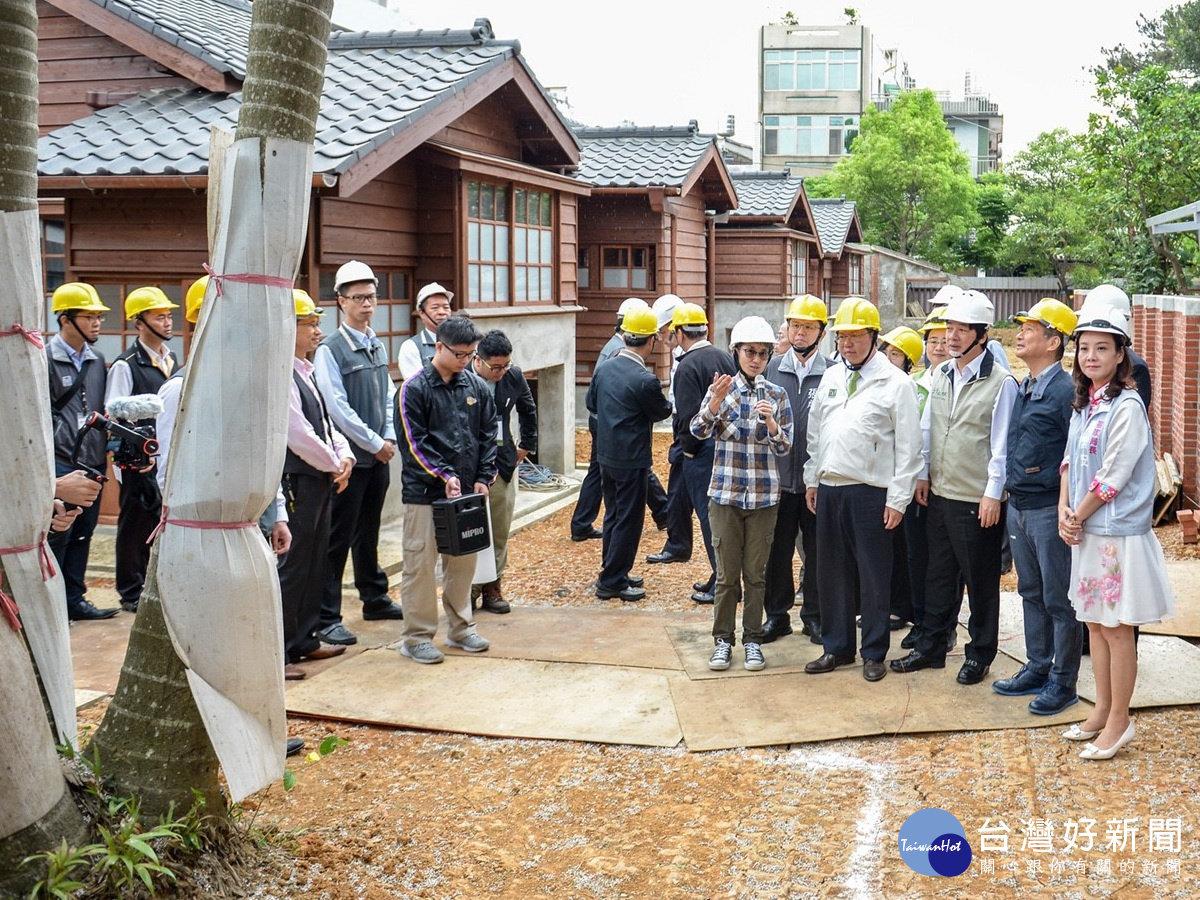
point(135, 408)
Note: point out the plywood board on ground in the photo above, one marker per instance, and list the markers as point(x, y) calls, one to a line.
point(694, 644)
point(794, 708)
point(609, 637)
point(496, 697)
point(1185, 582)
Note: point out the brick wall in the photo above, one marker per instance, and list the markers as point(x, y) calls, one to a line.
point(1166, 331)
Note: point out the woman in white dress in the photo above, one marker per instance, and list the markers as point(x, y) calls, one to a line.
point(1118, 573)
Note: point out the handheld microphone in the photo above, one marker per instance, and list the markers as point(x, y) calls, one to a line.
point(760, 388)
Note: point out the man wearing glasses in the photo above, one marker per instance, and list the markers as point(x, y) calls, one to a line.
point(351, 369)
point(448, 448)
point(493, 363)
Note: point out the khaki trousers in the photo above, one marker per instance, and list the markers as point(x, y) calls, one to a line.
point(418, 583)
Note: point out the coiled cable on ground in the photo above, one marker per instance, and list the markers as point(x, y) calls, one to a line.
point(533, 477)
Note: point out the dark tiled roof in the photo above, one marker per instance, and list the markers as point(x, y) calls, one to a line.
point(833, 218)
point(214, 31)
point(376, 85)
point(766, 194)
point(630, 156)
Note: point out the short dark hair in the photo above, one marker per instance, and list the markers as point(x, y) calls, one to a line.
point(456, 331)
point(636, 340)
point(494, 343)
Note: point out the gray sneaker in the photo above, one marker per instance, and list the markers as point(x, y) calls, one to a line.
point(337, 633)
point(423, 652)
point(472, 643)
point(754, 658)
point(721, 655)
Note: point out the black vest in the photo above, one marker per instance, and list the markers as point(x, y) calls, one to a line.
point(147, 377)
point(313, 408)
point(366, 381)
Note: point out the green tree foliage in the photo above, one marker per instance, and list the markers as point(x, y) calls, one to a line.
point(1145, 160)
point(1172, 41)
point(911, 181)
point(983, 247)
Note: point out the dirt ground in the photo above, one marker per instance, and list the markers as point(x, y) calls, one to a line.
point(407, 814)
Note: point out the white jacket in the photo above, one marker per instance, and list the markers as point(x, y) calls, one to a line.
point(872, 438)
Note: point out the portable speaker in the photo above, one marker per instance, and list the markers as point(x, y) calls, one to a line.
point(461, 525)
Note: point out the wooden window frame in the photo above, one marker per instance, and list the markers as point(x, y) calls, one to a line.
point(396, 302)
point(529, 210)
point(628, 267)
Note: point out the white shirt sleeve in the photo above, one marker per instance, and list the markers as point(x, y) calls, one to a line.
point(409, 359)
point(169, 393)
point(120, 381)
point(1001, 414)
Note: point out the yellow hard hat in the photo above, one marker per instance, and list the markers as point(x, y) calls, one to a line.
point(688, 314)
point(856, 314)
point(144, 299)
point(807, 308)
point(935, 320)
point(640, 322)
point(1051, 313)
point(195, 299)
point(304, 305)
point(906, 341)
point(76, 295)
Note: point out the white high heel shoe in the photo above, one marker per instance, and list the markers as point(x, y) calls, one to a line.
point(1091, 751)
point(1075, 733)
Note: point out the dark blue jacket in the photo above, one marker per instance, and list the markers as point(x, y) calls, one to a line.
point(1037, 438)
point(627, 400)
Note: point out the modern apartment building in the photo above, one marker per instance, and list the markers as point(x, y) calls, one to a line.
point(815, 81)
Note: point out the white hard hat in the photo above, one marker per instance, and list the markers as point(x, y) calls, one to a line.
point(630, 303)
point(971, 308)
point(752, 330)
point(429, 290)
point(1108, 319)
point(664, 308)
point(351, 272)
point(945, 294)
point(1105, 295)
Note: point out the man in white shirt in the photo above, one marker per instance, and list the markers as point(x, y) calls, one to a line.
point(433, 308)
point(864, 455)
point(966, 450)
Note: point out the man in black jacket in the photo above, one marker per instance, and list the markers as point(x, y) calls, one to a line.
point(627, 400)
point(449, 427)
point(798, 371)
point(692, 458)
point(493, 363)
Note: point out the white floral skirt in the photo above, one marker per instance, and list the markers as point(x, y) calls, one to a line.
point(1120, 580)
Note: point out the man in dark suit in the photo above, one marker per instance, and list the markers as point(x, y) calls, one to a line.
point(493, 363)
point(627, 400)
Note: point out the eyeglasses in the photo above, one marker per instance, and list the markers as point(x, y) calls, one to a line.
point(756, 354)
point(362, 299)
point(99, 320)
point(460, 355)
point(504, 367)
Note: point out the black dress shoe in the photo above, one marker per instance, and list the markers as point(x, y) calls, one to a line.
point(588, 535)
point(628, 594)
point(83, 610)
point(910, 639)
point(915, 661)
point(294, 746)
point(827, 663)
point(130, 606)
point(705, 597)
point(972, 672)
point(813, 630)
point(775, 629)
point(385, 610)
point(664, 557)
point(705, 587)
point(635, 580)
point(874, 669)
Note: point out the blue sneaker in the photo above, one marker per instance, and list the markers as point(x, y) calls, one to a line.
point(1054, 698)
point(1026, 681)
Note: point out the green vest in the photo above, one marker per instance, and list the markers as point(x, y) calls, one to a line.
point(960, 442)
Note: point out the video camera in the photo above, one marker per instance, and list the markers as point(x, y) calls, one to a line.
point(136, 445)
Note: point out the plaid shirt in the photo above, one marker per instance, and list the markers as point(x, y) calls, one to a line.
point(745, 472)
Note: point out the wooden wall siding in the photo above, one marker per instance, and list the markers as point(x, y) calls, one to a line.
point(489, 127)
point(381, 222)
point(132, 233)
point(750, 265)
point(690, 263)
point(74, 58)
point(442, 259)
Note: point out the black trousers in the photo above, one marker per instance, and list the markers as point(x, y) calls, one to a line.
point(965, 551)
point(591, 493)
point(302, 571)
point(678, 512)
point(854, 569)
point(916, 519)
point(794, 519)
point(697, 477)
point(901, 602)
point(72, 547)
point(354, 532)
point(135, 522)
point(624, 514)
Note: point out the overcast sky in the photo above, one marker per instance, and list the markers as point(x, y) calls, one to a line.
point(663, 63)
